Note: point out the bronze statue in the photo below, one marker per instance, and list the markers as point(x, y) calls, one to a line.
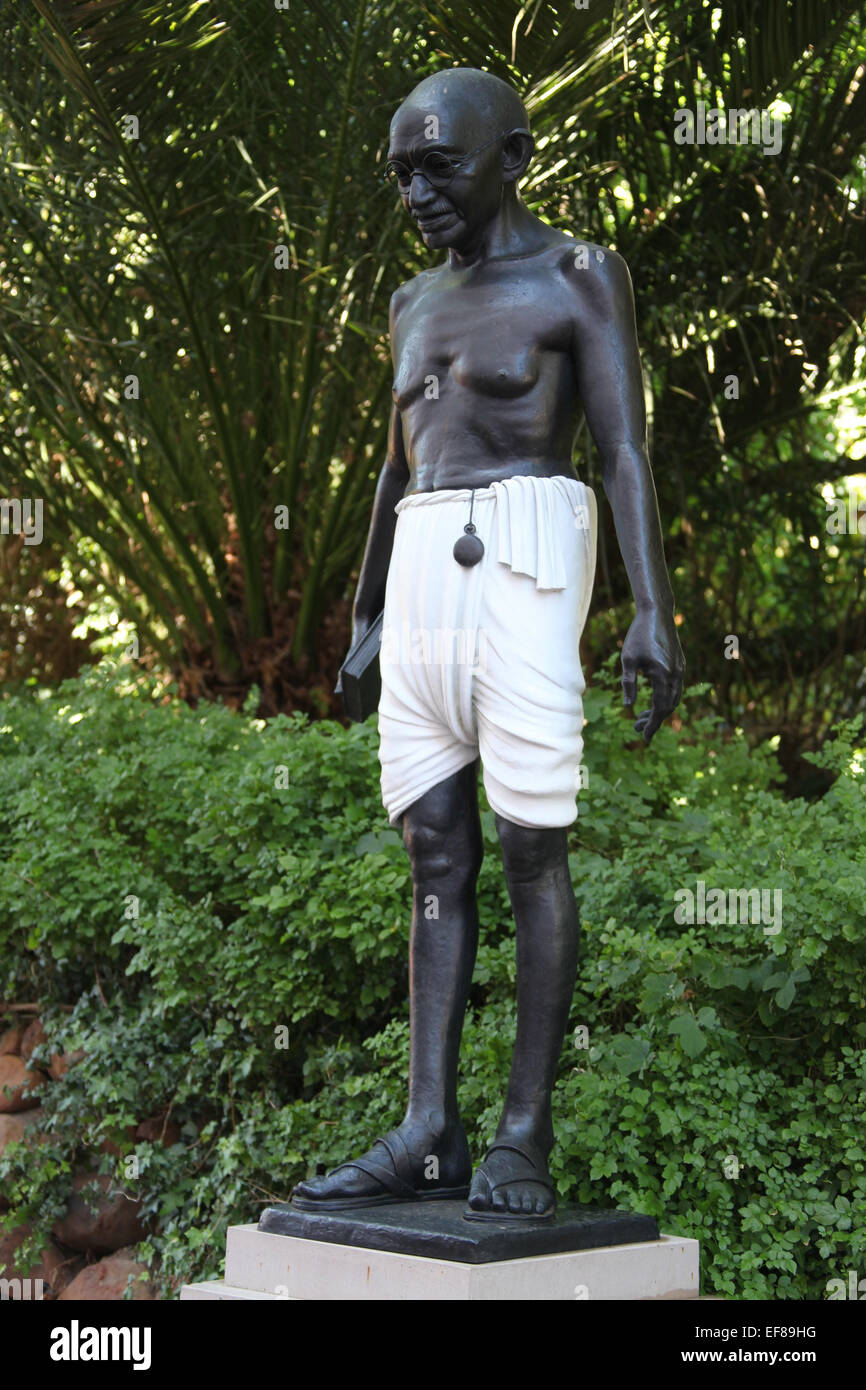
point(496, 352)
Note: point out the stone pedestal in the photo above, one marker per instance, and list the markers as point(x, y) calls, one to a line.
point(426, 1251)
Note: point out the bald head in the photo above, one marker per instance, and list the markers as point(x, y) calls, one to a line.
point(475, 105)
point(458, 147)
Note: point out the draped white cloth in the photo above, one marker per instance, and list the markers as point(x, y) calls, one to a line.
point(485, 661)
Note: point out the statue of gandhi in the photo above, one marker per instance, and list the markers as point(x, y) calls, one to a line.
point(480, 525)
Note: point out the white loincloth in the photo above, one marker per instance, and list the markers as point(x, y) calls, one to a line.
point(485, 661)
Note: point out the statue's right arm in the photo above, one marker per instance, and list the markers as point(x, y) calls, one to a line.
point(370, 593)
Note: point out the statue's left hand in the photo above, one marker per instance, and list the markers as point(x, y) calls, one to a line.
point(652, 648)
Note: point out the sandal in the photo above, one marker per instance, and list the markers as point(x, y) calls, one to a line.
point(397, 1182)
point(537, 1172)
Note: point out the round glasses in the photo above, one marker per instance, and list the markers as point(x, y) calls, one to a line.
point(436, 167)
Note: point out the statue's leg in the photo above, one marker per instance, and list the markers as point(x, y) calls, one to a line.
point(548, 930)
point(428, 1152)
point(442, 833)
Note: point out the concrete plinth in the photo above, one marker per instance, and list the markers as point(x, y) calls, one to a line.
point(264, 1265)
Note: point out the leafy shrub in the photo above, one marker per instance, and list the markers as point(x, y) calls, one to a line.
point(223, 905)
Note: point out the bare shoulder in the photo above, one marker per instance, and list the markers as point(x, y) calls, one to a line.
point(405, 293)
point(598, 276)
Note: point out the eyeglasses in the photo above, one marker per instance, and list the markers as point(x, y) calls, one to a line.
point(436, 167)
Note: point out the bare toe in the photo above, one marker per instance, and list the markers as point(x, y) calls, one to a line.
point(513, 1181)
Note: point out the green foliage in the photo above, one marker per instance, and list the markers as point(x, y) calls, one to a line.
point(249, 303)
point(265, 383)
point(241, 968)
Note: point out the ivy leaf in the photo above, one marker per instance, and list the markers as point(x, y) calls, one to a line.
point(659, 986)
point(629, 1054)
point(686, 1028)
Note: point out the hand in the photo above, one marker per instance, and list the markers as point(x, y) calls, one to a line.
point(652, 648)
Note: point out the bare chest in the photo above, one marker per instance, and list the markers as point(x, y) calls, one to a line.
point(492, 337)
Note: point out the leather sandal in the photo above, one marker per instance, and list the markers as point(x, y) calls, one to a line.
point(533, 1169)
point(397, 1183)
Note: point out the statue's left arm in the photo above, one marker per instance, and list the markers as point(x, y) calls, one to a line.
point(607, 364)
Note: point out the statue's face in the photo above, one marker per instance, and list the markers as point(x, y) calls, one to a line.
point(454, 215)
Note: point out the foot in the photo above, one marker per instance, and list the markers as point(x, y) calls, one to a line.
point(409, 1164)
point(512, 1183)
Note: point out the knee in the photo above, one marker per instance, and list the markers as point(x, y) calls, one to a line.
point(528, 853)
point(437, 852)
